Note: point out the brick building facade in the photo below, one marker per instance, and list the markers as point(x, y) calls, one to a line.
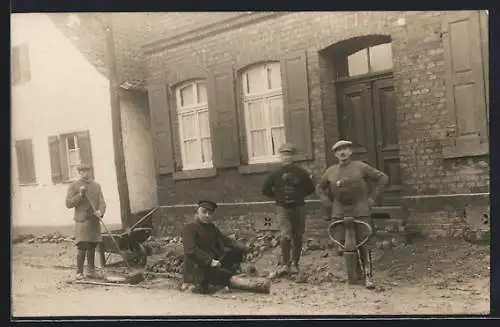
point(424, 118)
point(409, 88)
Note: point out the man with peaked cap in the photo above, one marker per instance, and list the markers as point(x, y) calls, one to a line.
point(343, 189)
point(87, 223)
point(288, 186)
point(210, 257)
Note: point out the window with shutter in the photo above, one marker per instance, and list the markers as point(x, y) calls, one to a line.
point(194, 125)
point(20, 64)
point(263, 111)
point(465, 83)
point(25, 162)
point(67, 151)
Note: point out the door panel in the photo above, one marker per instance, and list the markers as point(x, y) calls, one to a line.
point(368, 118)
point(356, 120)
point(386, 137)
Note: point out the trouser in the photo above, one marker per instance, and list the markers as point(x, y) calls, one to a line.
point(220, 276)
point(85, 249)
point(292, 227)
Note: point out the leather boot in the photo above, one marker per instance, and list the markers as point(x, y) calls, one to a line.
point(296, 252)
point(369, 284)
point(80, 261)
point(92, 273)
point(285, 256)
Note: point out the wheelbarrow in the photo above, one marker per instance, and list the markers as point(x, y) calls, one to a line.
point(129, 243)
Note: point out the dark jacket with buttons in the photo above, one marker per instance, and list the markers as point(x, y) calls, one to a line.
point(204, 242)
point(288, 185)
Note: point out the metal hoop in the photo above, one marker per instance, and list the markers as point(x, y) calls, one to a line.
point(359, 222)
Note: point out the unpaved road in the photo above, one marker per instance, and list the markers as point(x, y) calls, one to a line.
point(459, 285)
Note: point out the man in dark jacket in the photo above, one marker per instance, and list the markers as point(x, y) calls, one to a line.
point(343, 188)
point(289, 185)
point(87, 224)
point(210, 257)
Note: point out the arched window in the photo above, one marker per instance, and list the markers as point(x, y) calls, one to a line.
point(194, 125)
point(263, 106)
point(371, 59)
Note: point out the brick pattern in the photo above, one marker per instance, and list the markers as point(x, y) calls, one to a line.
point(245, 219)
point(425, 123)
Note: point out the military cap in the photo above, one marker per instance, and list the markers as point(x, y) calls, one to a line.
point(340, 144)
point(287, 147)
point(84, 166)
point(209, 205)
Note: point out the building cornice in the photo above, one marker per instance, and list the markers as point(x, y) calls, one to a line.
point(208, 30)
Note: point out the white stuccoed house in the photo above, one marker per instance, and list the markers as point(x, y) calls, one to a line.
point(61, 114)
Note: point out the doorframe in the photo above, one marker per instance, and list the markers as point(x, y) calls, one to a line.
point(353, 80)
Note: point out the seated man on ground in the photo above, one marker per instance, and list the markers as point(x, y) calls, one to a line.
point(210, 258)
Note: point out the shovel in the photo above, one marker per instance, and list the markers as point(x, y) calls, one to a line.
point(132, 277)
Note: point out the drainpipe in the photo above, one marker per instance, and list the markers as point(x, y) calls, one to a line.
point(116, 121)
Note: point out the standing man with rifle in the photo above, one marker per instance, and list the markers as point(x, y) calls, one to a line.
point(289, 185)
point(87, 223)
point(343, 188)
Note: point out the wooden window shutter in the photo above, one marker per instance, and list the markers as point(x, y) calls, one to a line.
point(161, 127)
point(25, 70)
point(25, 162)
point(85, 148)
point(64, 157)
point(296, 103)
point(55, 159)
point(465, 84)
point(223, 118)
point(15, 65)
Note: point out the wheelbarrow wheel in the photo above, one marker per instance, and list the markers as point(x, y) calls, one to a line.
point(140, 256)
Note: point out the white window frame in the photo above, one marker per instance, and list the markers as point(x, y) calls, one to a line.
point(78, 156)
point(195, 108)
point(270, 94)
point(369, 62)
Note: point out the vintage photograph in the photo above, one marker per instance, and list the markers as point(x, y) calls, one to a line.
point(250, 163)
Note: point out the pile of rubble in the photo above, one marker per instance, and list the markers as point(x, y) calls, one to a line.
point(260, 244)
point(48, 238)
point(160, 244)
point(170, 263)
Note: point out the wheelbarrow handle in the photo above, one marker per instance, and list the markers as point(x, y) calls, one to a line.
point(360, 222)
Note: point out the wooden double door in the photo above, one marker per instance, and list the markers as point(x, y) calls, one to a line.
point(368, 118)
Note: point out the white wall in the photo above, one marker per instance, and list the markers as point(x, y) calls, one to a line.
point(65, 94)
point(138, 151)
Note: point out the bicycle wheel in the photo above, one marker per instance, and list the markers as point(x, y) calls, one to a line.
point(352, 267)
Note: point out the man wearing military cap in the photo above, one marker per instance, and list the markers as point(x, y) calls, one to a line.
point(87, 223)
point(343, 189)
point(288, 186)
point(210, 257)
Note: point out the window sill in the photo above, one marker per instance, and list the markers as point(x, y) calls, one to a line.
point(466, 150)
point(258, 168)
point(195, 174)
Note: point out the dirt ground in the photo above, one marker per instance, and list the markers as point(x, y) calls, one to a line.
point(426, 277)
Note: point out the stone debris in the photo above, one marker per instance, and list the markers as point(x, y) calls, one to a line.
point(55, 237)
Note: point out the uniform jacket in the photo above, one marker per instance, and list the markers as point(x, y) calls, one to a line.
point(202, 243)
point(350, 179)
point(288, 185)
point(83, 210)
